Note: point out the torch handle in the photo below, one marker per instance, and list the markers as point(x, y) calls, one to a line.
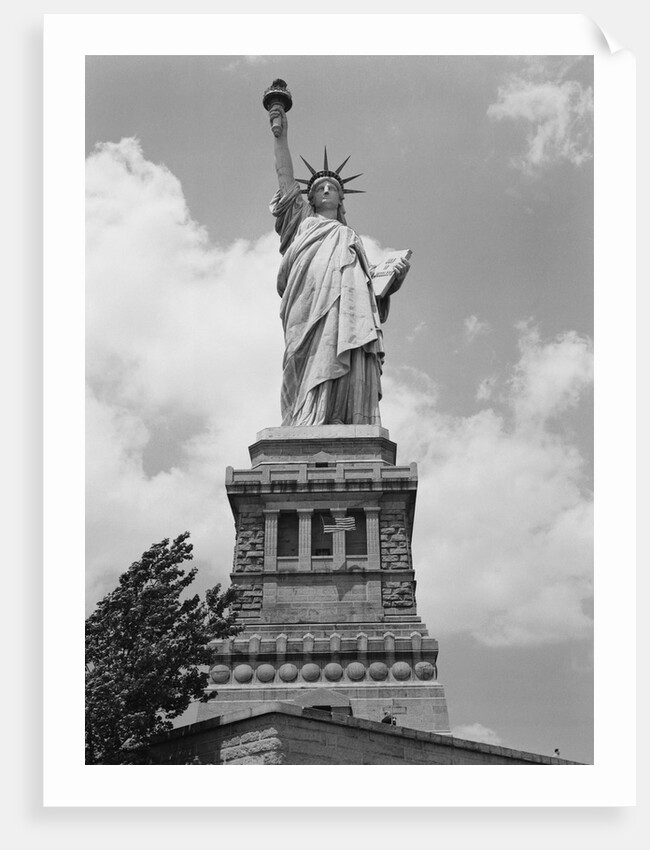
point(276, 123)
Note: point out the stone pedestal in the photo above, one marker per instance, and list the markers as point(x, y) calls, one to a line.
point(327, 612)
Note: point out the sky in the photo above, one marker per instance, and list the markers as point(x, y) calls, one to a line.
point(483, 167)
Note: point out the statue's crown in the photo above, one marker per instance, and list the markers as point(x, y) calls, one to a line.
point(333, 175)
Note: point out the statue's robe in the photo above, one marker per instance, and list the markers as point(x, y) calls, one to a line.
point(333, 340)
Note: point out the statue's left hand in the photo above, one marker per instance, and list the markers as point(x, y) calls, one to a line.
point(401, 268)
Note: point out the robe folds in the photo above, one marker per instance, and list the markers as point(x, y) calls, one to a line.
point(331, 319)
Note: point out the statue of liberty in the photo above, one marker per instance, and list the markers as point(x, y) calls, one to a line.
point(331, 317)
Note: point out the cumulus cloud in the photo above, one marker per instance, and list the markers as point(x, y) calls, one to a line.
point(549, 377)
point(486, 388)
point(503, 530)
point(556, 114)
point(184, 356)
point(170, 329)
point(474, 327)
point(477, 732)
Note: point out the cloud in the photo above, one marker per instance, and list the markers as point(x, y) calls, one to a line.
point(475, 327)
point(486, 388)
point(477, 732)
point(549, 377)
point(503, 530)
point(416, 330)
point(175, 325)
point(375, 251)
point(184, 352)
point(556, 114)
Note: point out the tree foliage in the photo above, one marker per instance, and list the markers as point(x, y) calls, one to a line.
point(145, 652)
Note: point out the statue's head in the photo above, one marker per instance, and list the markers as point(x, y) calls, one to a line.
point(315, 186)
point(325, 193)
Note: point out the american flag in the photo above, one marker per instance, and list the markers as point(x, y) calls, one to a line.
point(345, 523)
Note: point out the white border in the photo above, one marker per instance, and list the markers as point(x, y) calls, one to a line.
point(67, 781)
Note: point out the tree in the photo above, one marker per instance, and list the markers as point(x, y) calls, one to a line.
point(145, 650)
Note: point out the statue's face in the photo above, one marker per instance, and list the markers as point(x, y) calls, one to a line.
point(325, 195)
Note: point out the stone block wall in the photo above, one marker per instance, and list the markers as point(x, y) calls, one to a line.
point(258, 746)
point(288, 734)
point(394, 537)
point(398, 594)
point(249, 545)
point(249, 600)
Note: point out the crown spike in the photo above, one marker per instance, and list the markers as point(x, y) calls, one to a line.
point(342, 165)
point(354, 177)
point(331, 175)
point(313, 170)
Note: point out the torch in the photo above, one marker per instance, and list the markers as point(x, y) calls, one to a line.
point(277, 94)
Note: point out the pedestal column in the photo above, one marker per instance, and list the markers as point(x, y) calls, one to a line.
point(372, 537)
point(338, 541)
point(270, 540)
point(304, 538)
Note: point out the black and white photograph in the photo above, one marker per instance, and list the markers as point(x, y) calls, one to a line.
point(339, 410)
point(216, 322)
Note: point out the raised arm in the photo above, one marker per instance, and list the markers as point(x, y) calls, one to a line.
point(283, 163)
